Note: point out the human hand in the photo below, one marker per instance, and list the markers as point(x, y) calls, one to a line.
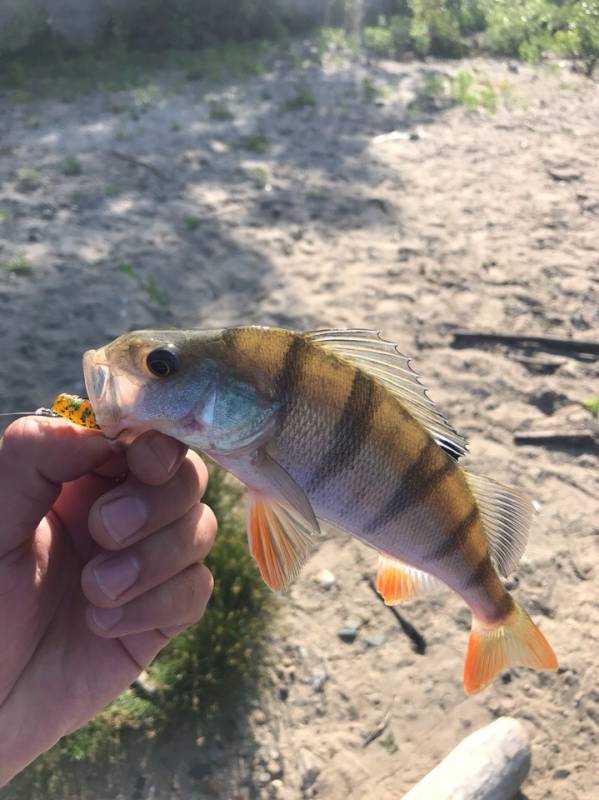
point(92, 586)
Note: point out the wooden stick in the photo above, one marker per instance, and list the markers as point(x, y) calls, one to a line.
point(572, 438)
point(379, 729)
point(138, 163)
point(540, 342)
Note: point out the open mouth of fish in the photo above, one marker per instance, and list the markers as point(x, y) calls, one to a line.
point(102, 390)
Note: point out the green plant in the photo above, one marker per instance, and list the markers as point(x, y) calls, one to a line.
point(192, 222)
point(18, 265)
point(72, 166)
point(580, 39)
point(435, 28)
point(254, 142)
point(28, 179)
point(592, 406)
point(523, 28)
point(219, 110)
point(147, 285)
point(303, 98)
point(472, 92)
point(259, 175)
point(4, 215)
point(378, 39)
point(370, 90)
point(389, 744)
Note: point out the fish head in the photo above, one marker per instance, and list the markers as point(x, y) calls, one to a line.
point(182, 383)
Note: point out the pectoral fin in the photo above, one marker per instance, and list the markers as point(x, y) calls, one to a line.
point(279, 539)
point(397, 582)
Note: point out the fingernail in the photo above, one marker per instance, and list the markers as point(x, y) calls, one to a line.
point(115, 575)
point(107, 618)
point(123, 517)
point(166, 451)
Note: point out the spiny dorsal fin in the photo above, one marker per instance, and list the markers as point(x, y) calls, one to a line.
point(383, 361)
point(397, 582)
point(506, 514)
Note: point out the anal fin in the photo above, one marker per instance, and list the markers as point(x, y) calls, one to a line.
point(398, 582)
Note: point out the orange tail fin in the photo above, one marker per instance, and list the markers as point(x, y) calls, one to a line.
point(514, 642)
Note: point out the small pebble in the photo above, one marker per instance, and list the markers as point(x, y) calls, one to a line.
point(326, 579)
point(375, 640)
point(319, 678)
point(348, 634)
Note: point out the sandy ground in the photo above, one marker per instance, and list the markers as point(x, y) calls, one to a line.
point(466, 219)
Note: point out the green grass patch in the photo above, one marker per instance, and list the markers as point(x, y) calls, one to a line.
point(592, 406)
point(72, 167)
point(146, 284)
point(18, 265)
point(254, 143)
point(389, 744)
point(219, 111)
point(4, 215)
point(260, 175)
point(468, 90)
point(212, 668)
point(28, 179)
point(303, 97)
point(191, 222)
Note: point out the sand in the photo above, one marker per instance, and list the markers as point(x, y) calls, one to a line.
point(464, 219)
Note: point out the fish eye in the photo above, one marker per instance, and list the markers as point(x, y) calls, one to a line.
point(162, 362)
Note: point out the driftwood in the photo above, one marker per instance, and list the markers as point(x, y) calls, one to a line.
point(576, 347)
point(490, 764)
point(558, 438)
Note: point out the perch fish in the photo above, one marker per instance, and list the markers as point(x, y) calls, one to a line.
point(333, 426)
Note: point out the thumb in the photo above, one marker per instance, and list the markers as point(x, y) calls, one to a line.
point(37, 455)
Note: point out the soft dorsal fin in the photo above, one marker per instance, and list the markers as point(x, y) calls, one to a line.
point(506, 514)
point(383, 361)
point(397, 582)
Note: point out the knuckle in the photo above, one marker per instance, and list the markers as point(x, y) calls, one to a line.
point(205, 529)
point(191, 476)
point(21, 434)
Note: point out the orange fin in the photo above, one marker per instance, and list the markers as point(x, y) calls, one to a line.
point(397, 582)
point(515, 642)
point(279, 540)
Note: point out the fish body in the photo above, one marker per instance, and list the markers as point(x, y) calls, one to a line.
point(333, 427)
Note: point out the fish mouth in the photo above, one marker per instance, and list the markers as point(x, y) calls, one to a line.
point(102, 392)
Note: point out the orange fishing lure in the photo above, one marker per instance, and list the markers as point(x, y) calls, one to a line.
point(76, 409)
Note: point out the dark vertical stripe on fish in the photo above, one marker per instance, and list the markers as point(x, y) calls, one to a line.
point(351, 430)
point(288, 378)
point(417, 482)
point(455, 539)
point(480, 574)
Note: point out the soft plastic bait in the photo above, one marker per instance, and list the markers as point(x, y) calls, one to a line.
point(75, 409)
